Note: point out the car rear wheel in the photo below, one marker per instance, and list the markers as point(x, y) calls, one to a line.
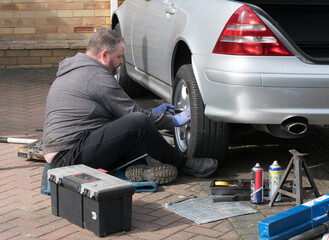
point(132, 88)
point(202, 137)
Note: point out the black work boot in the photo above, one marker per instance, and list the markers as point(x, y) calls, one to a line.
point(160, 174)
point(200, 167)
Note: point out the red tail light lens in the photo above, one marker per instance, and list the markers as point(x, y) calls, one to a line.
point(246, 34)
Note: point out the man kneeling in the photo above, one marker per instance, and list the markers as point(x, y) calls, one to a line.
point(90, 119)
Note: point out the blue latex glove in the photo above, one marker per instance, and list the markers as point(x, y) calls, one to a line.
point(165, 108)
point(182, 118)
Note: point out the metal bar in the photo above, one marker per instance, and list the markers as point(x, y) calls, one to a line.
point(299, 180)
point(313, 233)
point(311, 180)
point(16, 140)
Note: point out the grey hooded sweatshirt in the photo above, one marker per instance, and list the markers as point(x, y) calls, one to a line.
point(86, 96)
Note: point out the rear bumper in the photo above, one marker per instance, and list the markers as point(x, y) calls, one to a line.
point(262, 90)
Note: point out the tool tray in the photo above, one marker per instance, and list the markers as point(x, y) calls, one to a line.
point(236, 186)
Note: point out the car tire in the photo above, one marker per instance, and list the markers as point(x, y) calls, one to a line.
point(132, 88)
point(201, 137)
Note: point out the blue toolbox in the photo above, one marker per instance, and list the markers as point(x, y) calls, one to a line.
point(91, 199)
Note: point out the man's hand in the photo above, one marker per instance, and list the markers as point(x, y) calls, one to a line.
point(164, 108)
point(182, 118)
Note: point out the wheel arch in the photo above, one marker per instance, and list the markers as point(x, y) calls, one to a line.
point(114, 21)
point(181, 55)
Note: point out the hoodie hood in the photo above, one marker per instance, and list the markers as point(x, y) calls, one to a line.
point(80, 60)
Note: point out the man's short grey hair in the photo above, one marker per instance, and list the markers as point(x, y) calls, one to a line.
point(104, 39)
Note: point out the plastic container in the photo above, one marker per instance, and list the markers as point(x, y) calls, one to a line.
point(91, 199)
point(234, 186)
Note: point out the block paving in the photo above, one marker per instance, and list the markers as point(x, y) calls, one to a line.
point(25, 213)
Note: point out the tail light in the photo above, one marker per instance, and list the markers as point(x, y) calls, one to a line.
point(246, 34)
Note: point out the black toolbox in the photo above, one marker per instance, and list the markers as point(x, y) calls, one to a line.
point(91, 199)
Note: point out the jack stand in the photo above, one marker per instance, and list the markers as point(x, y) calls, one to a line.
point(299, 162)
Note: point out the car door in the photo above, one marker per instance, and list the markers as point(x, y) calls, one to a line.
point(152, 37)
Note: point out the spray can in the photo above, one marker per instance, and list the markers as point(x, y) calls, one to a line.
point(274, 180)
point(257, 190)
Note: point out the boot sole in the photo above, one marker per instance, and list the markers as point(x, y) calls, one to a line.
point(160, 174)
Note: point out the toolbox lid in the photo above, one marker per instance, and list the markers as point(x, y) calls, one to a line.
point(90, 182)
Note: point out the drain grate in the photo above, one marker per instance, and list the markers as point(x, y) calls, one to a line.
point(83, 29)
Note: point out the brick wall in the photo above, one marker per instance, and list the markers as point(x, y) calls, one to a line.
point(38, 53)
point(43, 32)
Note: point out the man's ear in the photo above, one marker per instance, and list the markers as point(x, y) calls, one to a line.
point(103, 56)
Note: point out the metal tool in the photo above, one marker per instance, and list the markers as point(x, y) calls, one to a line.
point(180, 200)
point(17, 140)
point(298, 162)
point(32, 151)
point(175, 110)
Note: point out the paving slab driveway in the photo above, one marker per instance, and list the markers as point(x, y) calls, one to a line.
point(25, 213)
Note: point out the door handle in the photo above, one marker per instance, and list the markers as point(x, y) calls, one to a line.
point(171, 9)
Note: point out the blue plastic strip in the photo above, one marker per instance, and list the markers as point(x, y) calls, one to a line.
point(296, 220)
point(285, 220)
point(289, 232)
point(45, 184)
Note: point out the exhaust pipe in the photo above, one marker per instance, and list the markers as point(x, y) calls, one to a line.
point(295, 126)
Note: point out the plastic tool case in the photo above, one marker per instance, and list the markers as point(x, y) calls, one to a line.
point(234, 186)
point(91, 199)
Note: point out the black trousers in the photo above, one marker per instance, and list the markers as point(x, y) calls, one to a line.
point(118, 142)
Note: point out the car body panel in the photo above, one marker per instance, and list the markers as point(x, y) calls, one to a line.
point(152, 35)
point(234, 89)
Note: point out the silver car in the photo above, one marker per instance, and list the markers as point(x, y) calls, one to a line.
point(263, 63)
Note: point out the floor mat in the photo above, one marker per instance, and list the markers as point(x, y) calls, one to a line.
point(204, 210)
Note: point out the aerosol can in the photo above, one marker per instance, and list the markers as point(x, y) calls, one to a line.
point(274, 180)
point(257, 182)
